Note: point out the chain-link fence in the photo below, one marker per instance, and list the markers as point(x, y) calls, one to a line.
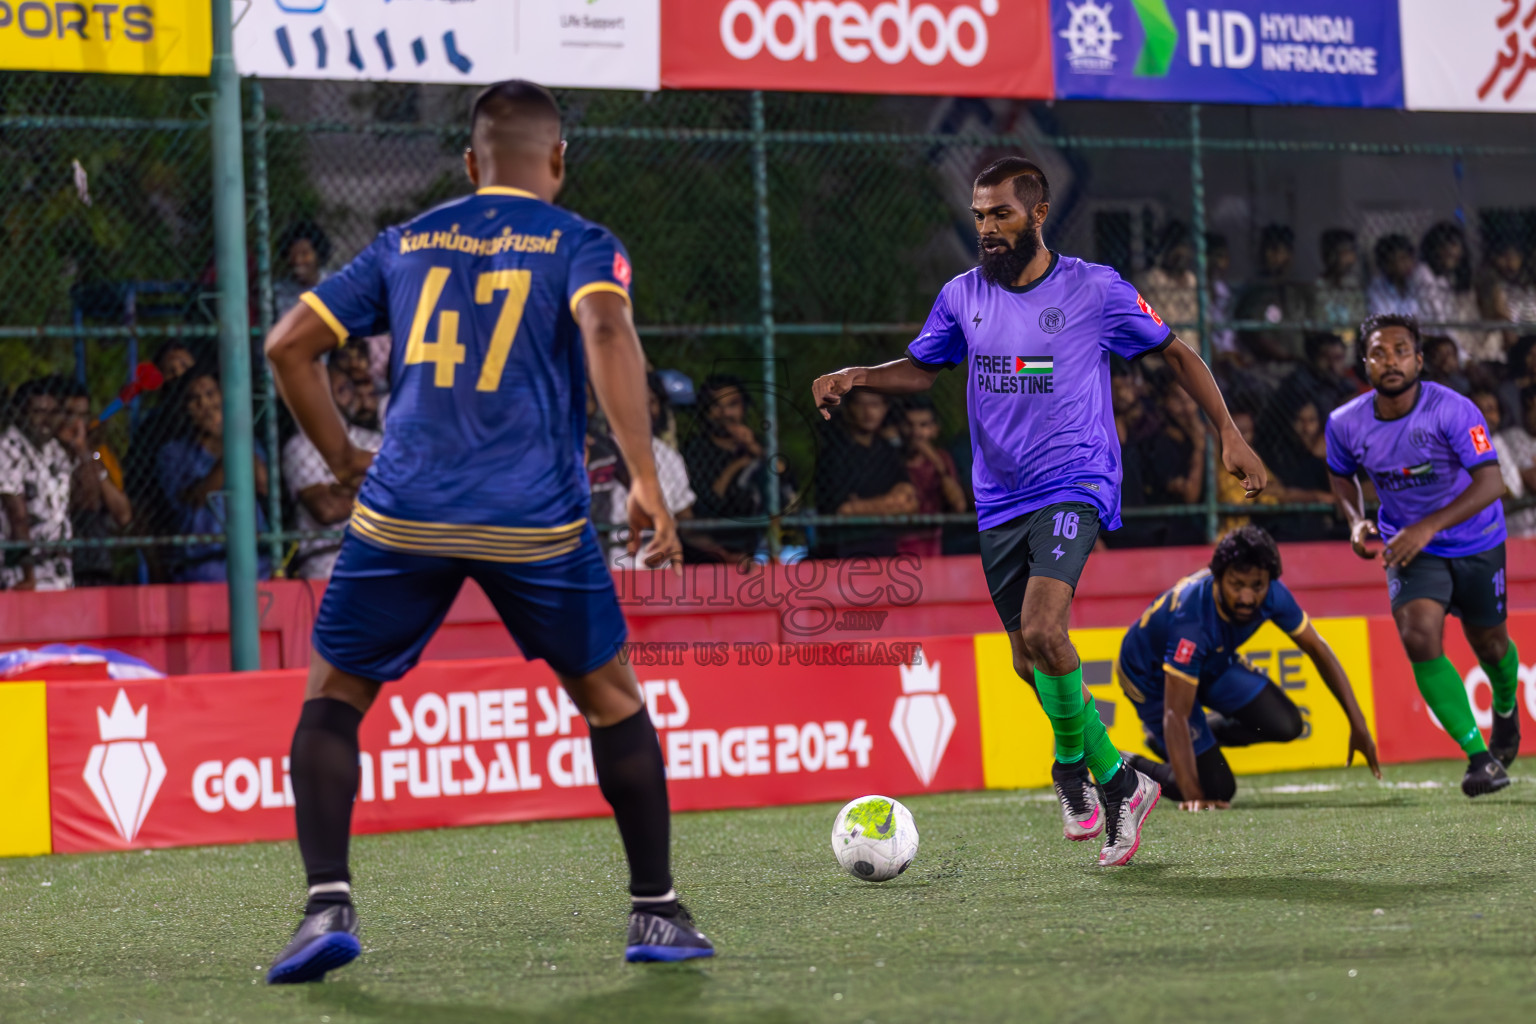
point(775, 237)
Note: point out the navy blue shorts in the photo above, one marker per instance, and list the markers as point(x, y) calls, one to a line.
point(1229, 693)
point(381, 607)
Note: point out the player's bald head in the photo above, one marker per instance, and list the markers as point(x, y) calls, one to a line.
point(512, 119)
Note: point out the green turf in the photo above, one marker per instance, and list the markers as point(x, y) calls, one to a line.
point(1360, 902)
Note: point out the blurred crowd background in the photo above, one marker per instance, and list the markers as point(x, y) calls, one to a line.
point(774, 238)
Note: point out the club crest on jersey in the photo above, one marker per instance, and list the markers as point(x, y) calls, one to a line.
point(1147, 309)
point(1015, 375)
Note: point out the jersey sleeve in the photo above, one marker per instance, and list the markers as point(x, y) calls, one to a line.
point(353, 303)
point(1186, 652)
point(599, 264)
point(1467, 434)
point(1283, 610)
point(941, 343)
point(1130, 326)
point(1340, 459)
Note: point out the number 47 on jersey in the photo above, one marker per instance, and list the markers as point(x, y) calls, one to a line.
point(445, 354)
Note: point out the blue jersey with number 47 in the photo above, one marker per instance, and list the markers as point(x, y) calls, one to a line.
point(487, 407)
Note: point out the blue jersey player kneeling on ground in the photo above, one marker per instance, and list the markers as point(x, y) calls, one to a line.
point(501, 304)
point(1181, 657)
point(1428, 453)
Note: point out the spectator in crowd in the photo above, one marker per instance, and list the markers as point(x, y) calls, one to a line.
point(1505, 291)
point(353, 360)
point(1324, 379)
point(858, 474)
point(1174, 457)
point(728, 468)
point(173, 358)
point(100, 514)
point(320, 501)
point(672, 471)
point(1396, 286)
point(1229, 489)
point(41, 480)
point(304, 250)
point(1273, 298)
point(191, 475)
point(1442, 364)
point(1519, 373)
point(932, 471)
point(1337, 295)
point(1299, 458)
point(1218, 263)
point(1171, 287)
point(1516, 447)
point(1445, 295)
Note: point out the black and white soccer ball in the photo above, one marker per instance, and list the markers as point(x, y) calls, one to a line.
point(874, 838)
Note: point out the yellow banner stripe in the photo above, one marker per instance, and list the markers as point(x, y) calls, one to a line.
point(25, 829)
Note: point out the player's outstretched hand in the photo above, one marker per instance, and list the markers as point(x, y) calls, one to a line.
point(1360, 742)
point(1405, 547)
point(350, 469)
point(1244, 463)
point(648, 511)
point(1205, 805)
point(1362, 531)
point(830, 388)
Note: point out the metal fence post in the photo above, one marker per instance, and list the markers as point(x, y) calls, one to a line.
point(262, 212)
point(765, 303)
point(1202, 316)
point(234, 347)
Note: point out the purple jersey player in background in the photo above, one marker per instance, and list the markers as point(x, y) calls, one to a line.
point(1427, 451)
point(1038, 329)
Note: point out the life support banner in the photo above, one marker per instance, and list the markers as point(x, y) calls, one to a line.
point(193, 760)
point(148, 37)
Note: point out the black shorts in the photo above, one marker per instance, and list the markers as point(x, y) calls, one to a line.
point(1470, 587)
point(1053, 541)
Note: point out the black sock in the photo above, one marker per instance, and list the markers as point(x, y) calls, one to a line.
point(1480, 761)
point(633, 779)
point(323, 768)
point(1120, 785)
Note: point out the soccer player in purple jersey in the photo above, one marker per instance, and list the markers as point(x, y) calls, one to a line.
point(1427, 450)
point(1038, 329)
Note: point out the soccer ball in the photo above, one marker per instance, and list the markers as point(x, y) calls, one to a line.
point(874, 838)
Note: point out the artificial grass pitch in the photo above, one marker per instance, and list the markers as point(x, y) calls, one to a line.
point(1320, 896)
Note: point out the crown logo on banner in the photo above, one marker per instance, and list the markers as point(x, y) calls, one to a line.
point(125, 770)
point(922, 720)
point(124, 723)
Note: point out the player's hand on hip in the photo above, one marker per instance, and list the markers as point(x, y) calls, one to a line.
point(1359, 534)
point(1405, 547)
point(1360, 742)
point(1244, 463)
point(648, 511)
point(352, 465)
point(829, 390)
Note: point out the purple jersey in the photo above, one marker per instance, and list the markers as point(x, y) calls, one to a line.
point(1042, 424)
point(1419, 463)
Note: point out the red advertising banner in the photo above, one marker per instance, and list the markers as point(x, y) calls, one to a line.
point(201, 759)
point(1405, 729)
point(942, 47)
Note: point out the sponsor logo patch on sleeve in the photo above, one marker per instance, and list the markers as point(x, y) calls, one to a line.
point(1147, 309)
point(1185, 652)
point(621, 271)
point(1480, 443)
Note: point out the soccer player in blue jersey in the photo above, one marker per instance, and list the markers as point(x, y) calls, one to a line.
point(1427, 450)
point(1181, 657)
point(1038, 329)
point(501, 304)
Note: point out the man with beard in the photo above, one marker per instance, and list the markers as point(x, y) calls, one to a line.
point(1039, 329)
point(1428, 452)
point(1181, 657)
point(321, 501)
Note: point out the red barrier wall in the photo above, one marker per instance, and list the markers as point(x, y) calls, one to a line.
point(184, 628)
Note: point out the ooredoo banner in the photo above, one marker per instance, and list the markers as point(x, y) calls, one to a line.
point(942, 47)
point(1319, 52)
point(578, 43)
point(1470, 55)
point(193, 760)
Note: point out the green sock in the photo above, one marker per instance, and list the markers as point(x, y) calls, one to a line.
point(1062, 699)
point(1446, 696)
point(1103, 756)
point(1505, 679)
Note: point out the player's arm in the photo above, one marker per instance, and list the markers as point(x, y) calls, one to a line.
point(1349, 498)
point(897, 377)
point(295, 348)
point(1312, 643)
point(1178, 704)
point(1195, 377)
point(1486, 487)
point(900, 500)
point(616, 363)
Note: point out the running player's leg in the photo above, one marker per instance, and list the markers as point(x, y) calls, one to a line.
point(1479, 597)
point(1081, 810)
point(379, 610)
point(1246, 708)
